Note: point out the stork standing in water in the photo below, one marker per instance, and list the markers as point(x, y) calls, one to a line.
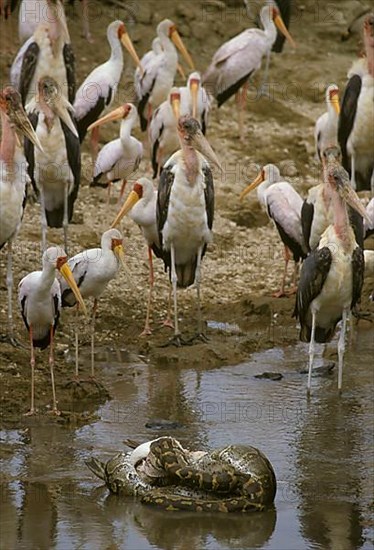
point(326, 128)
point(153, 87)
point(355, 129)
point(100, 87)
point(13, 179)
point(55, 172)
point(283, 205)
point(332, 275)
point(140, 205)
point(39, 298)
point(185, 210)
point(47, 52)
point(93, 269)
point(121, 157)
point(237, 60)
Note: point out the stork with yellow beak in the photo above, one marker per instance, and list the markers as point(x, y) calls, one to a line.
point(39, 298)
point(155, 84)
point(93, 269)
point(326, 128)
point(195, 100)
point(237, 60)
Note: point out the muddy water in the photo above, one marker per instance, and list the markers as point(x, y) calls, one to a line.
point(321, 452)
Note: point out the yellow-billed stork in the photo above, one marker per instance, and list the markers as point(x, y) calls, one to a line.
point(140, 205)
point(93, 269)
point(121, 157)
point(153, 87)
point(13, 179)
point(355, 128)
point(332, 275)
point(283, 205)
point(236, 60)
point(163, 135)
point(100, 87)
point(185, 210)
point(47, 52)
point(195, 100)
point(326, 128)
point(55, 172)
point(39, 298)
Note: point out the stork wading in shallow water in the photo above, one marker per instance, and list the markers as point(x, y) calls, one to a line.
point(332, 275)
point(355, 128)
point(326, 128)
point(93, 269)
point(39, 298)
point(55, 172)
point(100, 87)
point(237, 60)
point(47, 52)
point(140, 205)
point(283, 205)
point(153, 87)
point(121, 157)
point(185, 210)
point(13, 180)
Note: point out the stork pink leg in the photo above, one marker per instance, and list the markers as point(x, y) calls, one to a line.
point(32, 364)
point(147, 329)
point(122, 191)
point(168, 321)
point(94, 309)
point(94, 143)
point(51, 366)
point(287, 257)
point(241, 100)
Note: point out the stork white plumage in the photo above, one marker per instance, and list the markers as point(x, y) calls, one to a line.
point(140, 205)
point(121, 157)
point(93, 269)
point(13, 180)
point(55, 172)
point(98, 90)
point(185, 210)
point(332, 275)
point(47, 52)
point(237, 60)
point(153, 87)
point(355, 128)
point(326, 128)
point(39, 298)
point(163, 135)
point(283, 205)
point(195, 100)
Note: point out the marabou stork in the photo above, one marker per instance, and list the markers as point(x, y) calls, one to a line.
point(140, 205)
point(163, 135)
point(283, 205)
point(195, 100)
point(47, 52)
point(326, 128)
point(153, 87)
point(55, 172)
point(185, 210)
point(121, 157)
point(332, 275)
point(39, 297)
point(355, 128)
point(236, 60)
point(100, 87)
point(13, 179)
point(317, 213)
point(93, 269)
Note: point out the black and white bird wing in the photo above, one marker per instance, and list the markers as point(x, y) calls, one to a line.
point(358, 269)
point(307, 214)
point(347, 116)
point(79, 265)
point(74, 159)
point(69, 60)
point(313, 275)
point(163, 198)
point(357, 223)
point(29, 63)
point(29, 150)
point(144, 87)
point(209, 193)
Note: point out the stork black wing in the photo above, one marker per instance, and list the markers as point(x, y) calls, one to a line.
point(163, 197)
point(358, 268)
point(29, 63)
point(307, 213)
point(69, 60)
point(347, 116)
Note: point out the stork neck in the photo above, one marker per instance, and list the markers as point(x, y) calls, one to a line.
point(125, 130)
point(116, 53)
point(47, 112)
point(8, 141)
point(270, 29)
point(48, 275)
point(192, 163)
point(168, 47)
point(341, 220)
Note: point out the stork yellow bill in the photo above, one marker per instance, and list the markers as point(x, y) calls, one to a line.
point(346, 191)
point(334, 100)
point(177, 40)
point(281, 26)
point(255, 183)
point(127, 43)
point(65, 271)
point(194, 86)
point(116, 114)
point(119, 252)
point(175, 100)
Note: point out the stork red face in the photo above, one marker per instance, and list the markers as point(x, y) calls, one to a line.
point(177, 40)
point(134, 196)
point(127, 43)
point(175, 100)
